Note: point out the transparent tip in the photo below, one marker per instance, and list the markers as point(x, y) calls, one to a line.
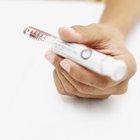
point(36, 34)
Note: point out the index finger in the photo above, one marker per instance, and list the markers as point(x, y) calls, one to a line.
point(80, 73)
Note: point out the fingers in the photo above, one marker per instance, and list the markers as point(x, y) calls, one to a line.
point(85, 89)
point(54, 59)
point(62, 85)
point(121, 88)
point(66, 85)
point(71, 90)
point(69, 34)
point(73, 79)
point(80, 73)
point(85, 76)
point(58, 84)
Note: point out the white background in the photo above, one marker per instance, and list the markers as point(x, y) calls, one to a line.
point(30, 107)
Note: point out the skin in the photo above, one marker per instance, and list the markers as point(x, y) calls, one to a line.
point(107, 37)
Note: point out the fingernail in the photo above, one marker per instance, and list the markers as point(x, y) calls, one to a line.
point(65, 65)
point(50, 57)
point(73, 32)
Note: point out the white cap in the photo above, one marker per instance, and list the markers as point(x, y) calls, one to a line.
point(116, 69)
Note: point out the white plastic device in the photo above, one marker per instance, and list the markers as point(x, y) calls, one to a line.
point(81, 54)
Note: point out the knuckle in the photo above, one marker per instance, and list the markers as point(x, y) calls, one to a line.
point(80, 77)
point(83, 30)
point(61, 92)
point(124, 87)
point(82, 88)
point(123, 90)
point(96, 27)
point(59, 88)
point(106, 84)
point(71, 90)
point(60, 69)
point(78, 27)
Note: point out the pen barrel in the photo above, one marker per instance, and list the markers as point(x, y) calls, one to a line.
point(89, 58)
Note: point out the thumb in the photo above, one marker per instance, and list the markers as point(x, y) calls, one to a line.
point(83, 34)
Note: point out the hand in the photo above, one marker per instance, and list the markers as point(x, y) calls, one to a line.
point(72, 79)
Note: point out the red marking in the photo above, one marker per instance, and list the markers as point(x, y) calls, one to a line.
point(34, 34)
point(37, 30)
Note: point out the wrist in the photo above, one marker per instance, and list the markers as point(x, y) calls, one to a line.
point(123, 29)
point(112, 31)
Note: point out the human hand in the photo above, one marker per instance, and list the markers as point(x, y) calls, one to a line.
point(72, 79)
